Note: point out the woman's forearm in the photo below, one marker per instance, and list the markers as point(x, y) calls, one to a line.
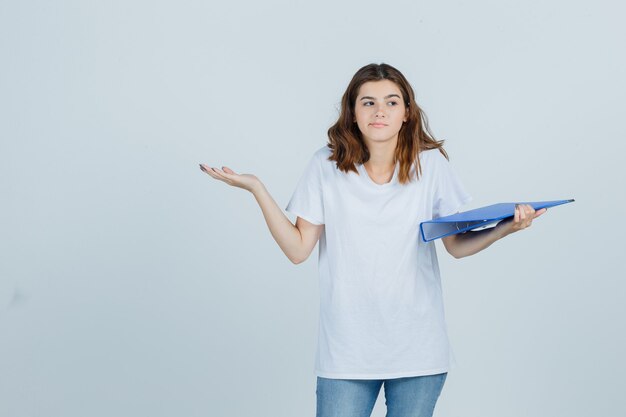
point(284, 232)
point(469, 243)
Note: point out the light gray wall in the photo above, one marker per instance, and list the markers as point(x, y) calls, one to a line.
point(133, 284)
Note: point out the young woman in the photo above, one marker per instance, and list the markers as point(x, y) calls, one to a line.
point(363, 196)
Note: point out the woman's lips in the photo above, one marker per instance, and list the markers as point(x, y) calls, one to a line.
point(378, 125)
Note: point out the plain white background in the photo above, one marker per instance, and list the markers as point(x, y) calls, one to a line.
point(133, 284)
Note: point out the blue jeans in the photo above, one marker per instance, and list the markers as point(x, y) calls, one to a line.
point(404, 397)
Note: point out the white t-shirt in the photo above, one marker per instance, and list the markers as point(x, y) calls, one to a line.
point(381, 306)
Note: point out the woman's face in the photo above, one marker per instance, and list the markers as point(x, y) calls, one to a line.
point(379, 111)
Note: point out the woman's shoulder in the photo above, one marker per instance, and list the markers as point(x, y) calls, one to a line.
point(431, 153)
point(323, 152)
point(432, 157)
point(321, 156)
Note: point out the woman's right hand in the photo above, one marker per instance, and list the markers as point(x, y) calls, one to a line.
point(246, 181)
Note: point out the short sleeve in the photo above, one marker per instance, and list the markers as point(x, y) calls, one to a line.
point(450, 194)
point(307, 199)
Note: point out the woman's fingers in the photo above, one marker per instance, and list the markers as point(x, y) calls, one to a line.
point(206, 169)
point(529, 213)
point(523, 216)
point(540, 212)
point(212, 172)
point(217, 171)
point(245, 181)
point(224, 175)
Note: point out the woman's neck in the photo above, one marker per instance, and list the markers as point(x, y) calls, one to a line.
point(381, 157)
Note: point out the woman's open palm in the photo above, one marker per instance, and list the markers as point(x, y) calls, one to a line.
point(230, 177)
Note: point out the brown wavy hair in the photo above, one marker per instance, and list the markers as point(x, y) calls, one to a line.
point(345, 138)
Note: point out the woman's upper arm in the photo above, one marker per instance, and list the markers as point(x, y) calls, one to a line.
point(449, 242)
point(310, 235)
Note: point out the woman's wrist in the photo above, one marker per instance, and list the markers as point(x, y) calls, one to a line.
point(501, 232)
point(256, 188)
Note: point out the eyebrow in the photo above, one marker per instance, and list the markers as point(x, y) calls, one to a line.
point(374, 98)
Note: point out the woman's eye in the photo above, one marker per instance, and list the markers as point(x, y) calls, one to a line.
point(367, 103)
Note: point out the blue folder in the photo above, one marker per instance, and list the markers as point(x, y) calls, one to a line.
point(477, 218)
